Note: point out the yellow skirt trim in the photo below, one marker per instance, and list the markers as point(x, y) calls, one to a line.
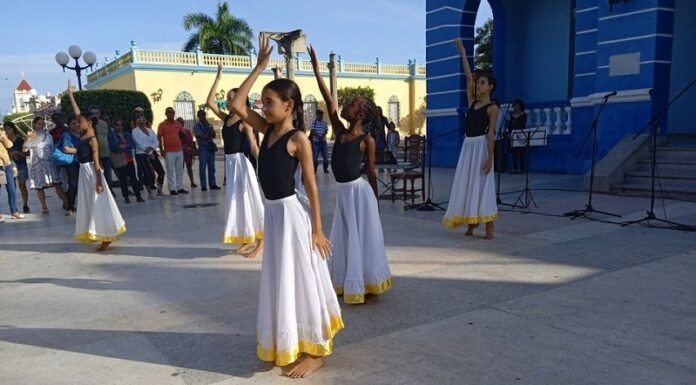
point(376, 289)
point(88, 237)
point(244, 239)
point(315, 349)
point(457, 221)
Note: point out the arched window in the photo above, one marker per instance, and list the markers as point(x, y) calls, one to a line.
point(185, 107)
point(394, 110)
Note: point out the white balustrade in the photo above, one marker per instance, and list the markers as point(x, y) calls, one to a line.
point(557, 124)
point(569, 121)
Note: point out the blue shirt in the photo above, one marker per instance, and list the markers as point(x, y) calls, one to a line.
point(200, 129)
point(319, 127)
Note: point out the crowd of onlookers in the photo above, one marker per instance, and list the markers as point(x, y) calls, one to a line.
point(43, 156)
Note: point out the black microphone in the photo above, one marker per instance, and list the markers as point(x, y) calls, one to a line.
point(607, 96)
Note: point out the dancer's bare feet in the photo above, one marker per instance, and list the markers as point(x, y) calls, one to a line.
point(306, 367)
point(489, 230)
point(470, 229)
point(245, 248)
point(104, 246)
point(255, 252)
point(285, 370)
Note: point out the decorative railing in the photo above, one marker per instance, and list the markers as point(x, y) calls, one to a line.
point(554, 117)
point(173, 58)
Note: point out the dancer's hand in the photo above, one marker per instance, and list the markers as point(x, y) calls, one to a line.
point(265, 50)
point(219, 68)
point(70, 90)
point(100, 188)
point(321, 244)
point(460, 45)
point(488, 166)
point(313, 58)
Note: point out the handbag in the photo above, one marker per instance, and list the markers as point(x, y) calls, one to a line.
point(118, 160)
point(61, 158)
point(211, 146)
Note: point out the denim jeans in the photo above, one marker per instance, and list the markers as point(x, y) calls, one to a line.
point(206, 163)
point(317, 148)
point(11, 188)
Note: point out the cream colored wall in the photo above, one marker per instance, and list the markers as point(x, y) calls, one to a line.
point(198, 85)
point(124, 82)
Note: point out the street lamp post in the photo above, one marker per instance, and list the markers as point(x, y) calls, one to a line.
point(75, 52)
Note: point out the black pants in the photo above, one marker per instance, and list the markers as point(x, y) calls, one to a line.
point(73, 171)
point(518, 158)
point(159, 170)
point(127, 174)
point(145, 171)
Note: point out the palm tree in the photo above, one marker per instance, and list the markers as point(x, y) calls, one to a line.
point(223, 35)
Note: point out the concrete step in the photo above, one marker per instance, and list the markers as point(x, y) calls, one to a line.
point(683, 168)
point(666, 178)
point(675, 154)
point(667, 191)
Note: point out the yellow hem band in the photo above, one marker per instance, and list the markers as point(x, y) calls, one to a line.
point(243, 238)
point(457, 221)
point(88, 237)
point(315, 349)
point(375, 289)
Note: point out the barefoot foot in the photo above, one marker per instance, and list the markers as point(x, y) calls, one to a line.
point(245, 248)
point(254, 253)
point(470, 229)
point(489, 230)
point(306, 367)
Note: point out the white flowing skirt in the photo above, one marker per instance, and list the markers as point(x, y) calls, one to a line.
point(472, 199)
point(97, 218)
point(243, 204)
point(359, 261)
point(298, 309)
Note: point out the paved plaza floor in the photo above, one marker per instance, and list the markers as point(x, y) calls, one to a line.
point(548, 301)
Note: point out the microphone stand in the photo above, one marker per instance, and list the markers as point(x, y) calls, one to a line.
point(593, 130)
point(650, 214)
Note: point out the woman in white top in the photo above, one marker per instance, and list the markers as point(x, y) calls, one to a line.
point(145, 144)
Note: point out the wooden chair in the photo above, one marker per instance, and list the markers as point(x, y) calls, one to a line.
point(413, 170)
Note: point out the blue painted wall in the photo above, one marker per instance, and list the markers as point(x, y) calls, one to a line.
point(682, 114)
point(534, 43)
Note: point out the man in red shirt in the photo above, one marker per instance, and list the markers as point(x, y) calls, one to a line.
point(169, 134)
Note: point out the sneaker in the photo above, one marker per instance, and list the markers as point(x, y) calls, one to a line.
point(194, 185)
point(215, 187)
point(172, 192)
point(140, 199)
point(182, 191)
point(25, 209)
point(204, 189)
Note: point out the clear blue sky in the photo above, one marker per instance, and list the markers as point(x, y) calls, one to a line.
point(33, 31)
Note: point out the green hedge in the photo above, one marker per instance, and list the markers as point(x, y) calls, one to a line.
point(114, 104)
point(348, 93)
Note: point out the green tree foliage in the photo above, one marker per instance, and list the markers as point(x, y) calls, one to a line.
point(224, 34)
point(483, 59)
point(115, 104)
point(348, 93)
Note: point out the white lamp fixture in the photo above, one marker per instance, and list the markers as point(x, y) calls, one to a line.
point(75, 51)
point(90, 58)
point(62, 59)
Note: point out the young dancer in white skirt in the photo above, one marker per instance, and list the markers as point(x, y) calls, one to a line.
point(243, 205)
point(358, 264)
point(472, 200)
point(299, 314)
point(97, 216)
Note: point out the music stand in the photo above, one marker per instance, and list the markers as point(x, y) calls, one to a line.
point(527, 137)
point(593, 130)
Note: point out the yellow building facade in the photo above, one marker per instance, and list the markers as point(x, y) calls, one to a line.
point(183, 79)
